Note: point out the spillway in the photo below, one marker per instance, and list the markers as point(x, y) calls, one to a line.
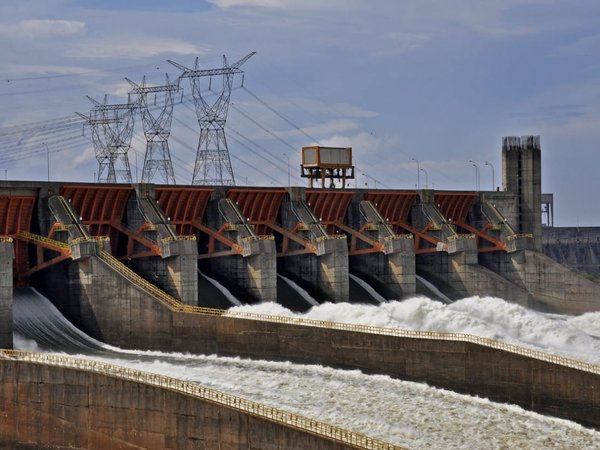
point(404, 413)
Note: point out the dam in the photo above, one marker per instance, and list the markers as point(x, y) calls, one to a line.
point(125, 262)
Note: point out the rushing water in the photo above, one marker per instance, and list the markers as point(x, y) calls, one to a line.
point(302, 292)
point(409, 414)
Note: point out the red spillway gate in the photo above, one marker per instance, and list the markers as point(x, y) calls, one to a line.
point(15, 216)
point(455, 207)
point(259, 206)
point(185, 207)
point(101, 208)
point(330, 207)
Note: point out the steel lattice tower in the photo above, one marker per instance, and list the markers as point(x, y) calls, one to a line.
point(112, 130)
point(157, 129)
point(213, 165)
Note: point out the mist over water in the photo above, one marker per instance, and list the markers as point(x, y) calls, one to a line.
point(570, 336)
point(405, 413)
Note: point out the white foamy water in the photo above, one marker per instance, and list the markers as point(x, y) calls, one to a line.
point(573, 337)
point(408, 414)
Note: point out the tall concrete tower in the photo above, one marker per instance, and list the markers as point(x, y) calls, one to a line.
point(522, 175)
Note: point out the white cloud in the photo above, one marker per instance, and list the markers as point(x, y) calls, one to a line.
point(134, 47)
point(50, 69)
point(282, 4)
point(35, 29)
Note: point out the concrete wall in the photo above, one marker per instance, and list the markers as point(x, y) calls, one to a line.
point(575, 247)
point(6, 294)
point(553, 287)
point(457, 279)
point(54, 407)
point(123, 316)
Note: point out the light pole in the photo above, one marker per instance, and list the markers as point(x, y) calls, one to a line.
point(418, 172)
point(476, 174)
point(288, 167)
point(426, 178)
point(487, 163)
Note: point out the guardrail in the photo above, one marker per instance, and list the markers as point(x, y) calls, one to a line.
point(197, 391)
point(430, 335)
point(153, 290)
point(456, 237)
point(396, 237)
point(513, 237)
point(178, 238)
point(6, 239)
point(43, 240)
point(83, 239)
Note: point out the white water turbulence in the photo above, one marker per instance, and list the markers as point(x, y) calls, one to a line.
point(228, 295)
point(302, 292)
point(404, 413)
point(491, 317)
point(367, 287)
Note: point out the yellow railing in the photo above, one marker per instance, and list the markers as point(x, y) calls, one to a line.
point(152, 289)
point(41, 239)
point(330, 237)
point(512, 237)
point(178, 238)
point(260, 237)
point(396, 332)
point(398, 237)
point(203, 393)
point(455, 237)
point(6, 239)
point(60, 227)
point(82, 239)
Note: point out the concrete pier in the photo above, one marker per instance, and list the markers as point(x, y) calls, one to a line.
point(6, 293)
point(175, 268)
point(321, 265)
point(249, 271)
point(391, 270)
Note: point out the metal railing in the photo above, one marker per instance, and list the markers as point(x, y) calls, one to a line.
point(197, 391)
point(43, 240)
point(429, 335)
point(513, 237)
point(258, 237)
point(178, 238)
point(81, 240)
point(152, 289)
point(6, 239)
point(456, 237)
point(396, 237)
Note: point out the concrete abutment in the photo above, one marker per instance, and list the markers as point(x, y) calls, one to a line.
point(6, 293)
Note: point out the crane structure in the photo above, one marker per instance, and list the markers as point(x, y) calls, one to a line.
point(112, 130)
point(213, 164)
point(157, 129)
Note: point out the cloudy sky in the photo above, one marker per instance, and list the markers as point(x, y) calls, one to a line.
point(440, 81)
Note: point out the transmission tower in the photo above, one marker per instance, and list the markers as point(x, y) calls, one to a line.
point(112, 130)
point(213, 165)
point(157, 129)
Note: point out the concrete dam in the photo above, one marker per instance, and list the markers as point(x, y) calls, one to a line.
point(123, 263)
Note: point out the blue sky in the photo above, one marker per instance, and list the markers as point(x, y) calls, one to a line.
point(437, 80)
